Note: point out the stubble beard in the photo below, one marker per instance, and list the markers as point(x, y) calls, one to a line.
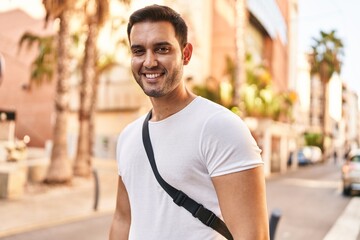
point(169, 84)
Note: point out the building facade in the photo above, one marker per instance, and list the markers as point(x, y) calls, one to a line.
point(349, 124)
point(33, 106)
point(270, 39)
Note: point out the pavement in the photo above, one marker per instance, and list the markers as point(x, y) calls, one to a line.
point(347, 226)
point(77, 201)
point(63, 204)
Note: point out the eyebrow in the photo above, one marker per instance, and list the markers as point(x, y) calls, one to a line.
point(165, 43)
point(136, 46)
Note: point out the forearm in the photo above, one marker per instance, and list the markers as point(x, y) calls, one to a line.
point(120, 225)
point(253, 225)
point(119, 229)
point(256, 233)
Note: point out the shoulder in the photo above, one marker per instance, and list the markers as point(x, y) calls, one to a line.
point(221, 124)
point(208, 109)
point(212, 116)
point(219, 116)
point(225, 124)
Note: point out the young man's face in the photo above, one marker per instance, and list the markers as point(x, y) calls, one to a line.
point(157, 59)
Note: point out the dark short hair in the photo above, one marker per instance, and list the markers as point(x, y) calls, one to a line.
point(157, 13)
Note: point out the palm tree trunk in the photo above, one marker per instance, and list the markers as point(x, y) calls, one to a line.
point(324, 78)
point(83, 161)
point(325, 120)
point(60, 168)
point(240, 76)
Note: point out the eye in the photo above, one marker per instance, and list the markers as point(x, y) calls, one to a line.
point(137, 51)
point(162, 50)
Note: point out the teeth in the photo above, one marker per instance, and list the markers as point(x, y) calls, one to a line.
point(152, 75)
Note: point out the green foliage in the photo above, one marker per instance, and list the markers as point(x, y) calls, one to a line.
point(230, 72)
point(206, 93)
point(43, 67)
point(259, 98)
point(210, 90)
point(326, 54)
point(314, 139)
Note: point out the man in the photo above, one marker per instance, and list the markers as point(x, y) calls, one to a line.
point(200, 147)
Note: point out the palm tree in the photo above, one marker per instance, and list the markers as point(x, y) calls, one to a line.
point(60, 167)
point(42, 68)
point(96, 13)
point(325, 60)
point(92, 67)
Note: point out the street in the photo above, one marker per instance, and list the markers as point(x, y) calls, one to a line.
point(309, 199)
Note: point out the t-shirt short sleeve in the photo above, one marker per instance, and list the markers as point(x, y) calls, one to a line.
point(227, 145)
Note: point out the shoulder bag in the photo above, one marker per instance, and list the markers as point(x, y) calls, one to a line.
point(206, 216)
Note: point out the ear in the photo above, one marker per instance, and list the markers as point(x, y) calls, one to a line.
point(187, 52)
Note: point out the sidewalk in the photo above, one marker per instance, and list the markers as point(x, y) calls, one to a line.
point(347, 225)
point(44, 206)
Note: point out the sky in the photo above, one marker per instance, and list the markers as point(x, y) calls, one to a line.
point(32, 7)
point(314, 15)
point(342, 16)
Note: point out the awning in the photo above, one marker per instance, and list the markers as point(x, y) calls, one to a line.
point(267, 12)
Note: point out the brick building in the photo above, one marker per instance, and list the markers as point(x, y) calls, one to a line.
point(33, 107)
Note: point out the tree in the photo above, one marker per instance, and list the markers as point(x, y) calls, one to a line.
point(325, 60)
point(60, 168)
point(42, 68)
point(96, 13)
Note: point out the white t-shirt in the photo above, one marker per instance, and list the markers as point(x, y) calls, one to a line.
point(201, 141)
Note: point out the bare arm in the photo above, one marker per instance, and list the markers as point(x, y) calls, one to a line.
point(121, 221)
point(242, 199)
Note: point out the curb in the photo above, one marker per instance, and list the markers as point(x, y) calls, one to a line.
point(347, 226)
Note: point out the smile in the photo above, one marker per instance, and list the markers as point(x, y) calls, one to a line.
point(152, 75)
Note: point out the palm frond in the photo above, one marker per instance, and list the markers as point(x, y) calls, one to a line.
point(54, 8)
point(44, 64)
point(326, 55)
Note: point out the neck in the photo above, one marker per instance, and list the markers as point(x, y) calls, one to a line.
point(166, 106)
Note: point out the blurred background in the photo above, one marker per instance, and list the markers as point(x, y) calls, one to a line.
point(278, 64)
point(288, 68)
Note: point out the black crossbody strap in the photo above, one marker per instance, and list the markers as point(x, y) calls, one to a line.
point(206, 216)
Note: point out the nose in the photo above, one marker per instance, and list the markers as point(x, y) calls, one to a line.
point(150, 60)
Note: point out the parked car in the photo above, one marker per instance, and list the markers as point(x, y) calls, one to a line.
point(315, 153)
point(307, 155)
point(301, 159)
point(351, 172)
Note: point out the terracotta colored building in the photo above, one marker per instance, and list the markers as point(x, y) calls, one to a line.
point(33, 107)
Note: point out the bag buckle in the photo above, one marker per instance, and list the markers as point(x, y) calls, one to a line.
point(204, 215)
point(180, 198)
